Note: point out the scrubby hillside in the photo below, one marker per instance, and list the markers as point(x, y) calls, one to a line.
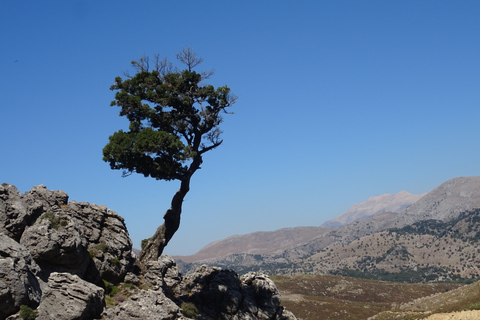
point(433, 239)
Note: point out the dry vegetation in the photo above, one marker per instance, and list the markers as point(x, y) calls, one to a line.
point(313, 297)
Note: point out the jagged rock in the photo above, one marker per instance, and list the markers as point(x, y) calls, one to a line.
point(57, 244)
point(68, 297)
point(53, 254)
point(163, 273)
point(146, 304)
point(18, 284)
point(221, 294)
point(17, 211)
point(109, 243)
point(77, 237)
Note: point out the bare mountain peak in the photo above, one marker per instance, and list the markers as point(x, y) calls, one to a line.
point(375, 205)
point(446, 201)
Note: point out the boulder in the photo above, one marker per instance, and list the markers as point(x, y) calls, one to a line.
point(17, 211)
point(163, 274)
point(18, 282)
point(58, 244)
point(76, 237)
point(109, 243)
point(147, 304)
point(222, 294)
point(67, 297)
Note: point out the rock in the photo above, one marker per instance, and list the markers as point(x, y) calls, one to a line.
point(18, 283)
point(17, 211)
point(53, 253)
point(67, 297)
point(77, 237)
point(163, 273)
point(109, 243)
point(221, 294)
point(57, 244)
point(147, 304)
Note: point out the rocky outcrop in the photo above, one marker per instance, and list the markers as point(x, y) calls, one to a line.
point(18, 283)
point(68, 297)
point(147, 304)
point(222, 294)
point(74, 260)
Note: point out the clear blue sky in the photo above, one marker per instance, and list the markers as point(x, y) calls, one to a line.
point(339, 101)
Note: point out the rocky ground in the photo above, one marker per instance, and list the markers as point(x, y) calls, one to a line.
point(74, 260)
point(462, 315)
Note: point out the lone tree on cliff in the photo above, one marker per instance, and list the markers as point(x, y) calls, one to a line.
point(174, 119)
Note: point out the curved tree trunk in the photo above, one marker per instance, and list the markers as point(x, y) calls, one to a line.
point(165, 232)
point(154, 248)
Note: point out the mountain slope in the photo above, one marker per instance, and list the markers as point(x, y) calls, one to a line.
point(262, 242)
point(374, 205)
point(271, 242)
point(346, 247)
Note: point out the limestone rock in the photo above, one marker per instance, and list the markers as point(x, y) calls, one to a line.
point(18, 283)
point(68, 297)
point(60, 248)
point(147, 304)
point(108, 240)
point(76, 237)
point(17, 211)
point(163, 273)
point(221, 294)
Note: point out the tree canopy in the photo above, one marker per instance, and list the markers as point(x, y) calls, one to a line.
point(174, 119)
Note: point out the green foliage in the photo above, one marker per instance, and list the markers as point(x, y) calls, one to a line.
point(110, 288)
point(189, 310)
point(52, 218)
point(27, 313)
point(406, 275)
point(144, 243)
point(174, 119)
point(473, 306)
point(115, 261)
point(102, 246)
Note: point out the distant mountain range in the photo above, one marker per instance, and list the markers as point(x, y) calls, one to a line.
point(375, 205)
point(428, 237)
point(271, 242)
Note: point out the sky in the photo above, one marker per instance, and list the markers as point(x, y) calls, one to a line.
point(338, 101)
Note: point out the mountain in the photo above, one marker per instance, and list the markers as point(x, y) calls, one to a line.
point(374, 205)
point(434, 238)
point(262, 242)
point(272, 242)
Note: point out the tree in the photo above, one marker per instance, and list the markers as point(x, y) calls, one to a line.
point(174, 120)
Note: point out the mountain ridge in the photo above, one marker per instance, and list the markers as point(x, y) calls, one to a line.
point(269, 242)
point(443, 205)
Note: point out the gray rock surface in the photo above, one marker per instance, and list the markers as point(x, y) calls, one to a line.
point(67, 297)
point(17, 211)
point(18, 283)
point(222, 294)
point(147, 304)
point(163, 274)
point(62, 248)
point(55, 257)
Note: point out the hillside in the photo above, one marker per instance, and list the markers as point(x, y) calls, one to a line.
point(271, 242)
point(257, 243)
point(432, 239)
point(313, 297)
point(384, 203)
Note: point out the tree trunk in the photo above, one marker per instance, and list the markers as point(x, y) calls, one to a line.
point(165, 232)
point(154, 248)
